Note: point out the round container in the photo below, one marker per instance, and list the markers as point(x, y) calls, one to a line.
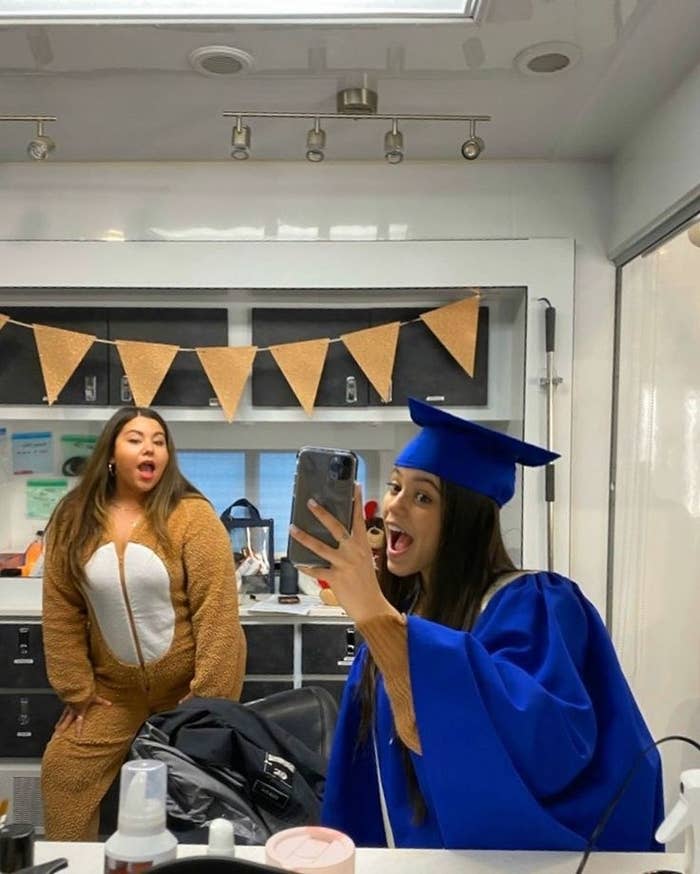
point(289, 578)
point(311, 849)
point(16, 847)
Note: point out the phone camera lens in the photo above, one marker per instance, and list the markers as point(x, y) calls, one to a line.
point(335, 467)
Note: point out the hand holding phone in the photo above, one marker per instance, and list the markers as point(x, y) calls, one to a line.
point(328, 476)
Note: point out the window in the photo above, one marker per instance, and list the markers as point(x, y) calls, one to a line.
point(265, 478)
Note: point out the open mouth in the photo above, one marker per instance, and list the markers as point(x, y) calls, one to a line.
point(147, 469)
point(399, 541)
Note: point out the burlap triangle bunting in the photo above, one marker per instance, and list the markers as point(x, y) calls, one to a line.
point(227, 369)
point(302, 365)
point(60, 352)
point(145, 365)
point(455, 326)
point(374, 349)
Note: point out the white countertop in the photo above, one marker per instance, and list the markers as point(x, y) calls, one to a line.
point(20, 598)
point(88, 859)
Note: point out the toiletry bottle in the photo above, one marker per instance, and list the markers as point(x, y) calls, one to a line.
point(141, 839)
point(221, 840)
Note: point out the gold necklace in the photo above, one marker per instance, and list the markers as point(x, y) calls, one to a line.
point(136, 509)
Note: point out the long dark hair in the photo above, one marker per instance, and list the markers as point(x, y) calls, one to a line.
point(469, 559)
point(81, 517)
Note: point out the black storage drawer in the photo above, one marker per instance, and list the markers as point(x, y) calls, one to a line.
point(286, 325)
point(270, 649)
point(185, 384)
point(27, 723)
point(254, 689)
point(324, 646)
point(424, 369)
point(22, 656)
point(21, 380)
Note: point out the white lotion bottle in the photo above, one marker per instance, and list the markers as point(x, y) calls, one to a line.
point(141, 839)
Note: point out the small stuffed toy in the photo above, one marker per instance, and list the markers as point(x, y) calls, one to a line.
point(374, 525)
point(375, 532)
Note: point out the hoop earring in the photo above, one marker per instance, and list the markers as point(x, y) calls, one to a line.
point(111, 468)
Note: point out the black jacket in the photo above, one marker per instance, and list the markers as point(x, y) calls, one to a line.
point(224, 759)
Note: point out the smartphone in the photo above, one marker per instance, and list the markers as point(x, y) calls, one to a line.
point(328, 476)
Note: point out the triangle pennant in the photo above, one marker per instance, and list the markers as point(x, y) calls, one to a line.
point(374, 349)
point(455, 326)
point(60, 352)
point(145, 365)
point(3, 321)
point(302, 365)
point(227, 369)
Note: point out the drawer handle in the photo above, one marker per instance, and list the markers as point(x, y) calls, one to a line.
point(90, 390)
point(349, 656)
point(350, 390)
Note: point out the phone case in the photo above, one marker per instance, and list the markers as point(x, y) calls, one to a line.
point(328, 476)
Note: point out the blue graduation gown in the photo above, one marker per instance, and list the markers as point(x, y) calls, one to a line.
point(527, 727)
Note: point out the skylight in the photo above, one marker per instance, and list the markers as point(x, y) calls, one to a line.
point(193, 10)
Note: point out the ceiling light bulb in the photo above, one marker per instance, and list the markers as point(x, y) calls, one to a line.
point(393, 145)
point(315, 143)
point(40, 146)
point(240, 141)
point(472, 148)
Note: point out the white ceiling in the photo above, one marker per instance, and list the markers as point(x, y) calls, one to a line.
point(126, 92)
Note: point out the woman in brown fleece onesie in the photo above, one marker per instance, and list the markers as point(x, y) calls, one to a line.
point(140, 612)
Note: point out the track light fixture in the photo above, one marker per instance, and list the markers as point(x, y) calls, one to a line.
point(393, 144)
point(356, 104)
point(41, 145)
point(315, 143)
point(240, 140)
point(473, 146)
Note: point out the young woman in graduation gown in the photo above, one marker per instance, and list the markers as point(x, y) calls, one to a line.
point(487, 709)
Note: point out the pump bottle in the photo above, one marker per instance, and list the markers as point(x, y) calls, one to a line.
point(141, 840)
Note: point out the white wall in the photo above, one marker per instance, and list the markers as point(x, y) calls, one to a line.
point(159, 203)
point(657, 171)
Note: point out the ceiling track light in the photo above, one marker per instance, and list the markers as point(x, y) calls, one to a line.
point(40, 146)
point(473, 146)
point(357, 105)
point(393, 144)
point(315, 143)
point(240, 140)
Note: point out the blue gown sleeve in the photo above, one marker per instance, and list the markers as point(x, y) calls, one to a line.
point(527, 722)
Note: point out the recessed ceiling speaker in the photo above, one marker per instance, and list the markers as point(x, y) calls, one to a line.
point(548, 58)
point(216, 61)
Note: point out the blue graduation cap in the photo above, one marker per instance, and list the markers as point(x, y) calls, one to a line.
point(468, 454)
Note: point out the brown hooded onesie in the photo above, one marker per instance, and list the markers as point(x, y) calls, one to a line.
point(152, 625)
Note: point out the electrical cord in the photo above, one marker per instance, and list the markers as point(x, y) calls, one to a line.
point(607, 813)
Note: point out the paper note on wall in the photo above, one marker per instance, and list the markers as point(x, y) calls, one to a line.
point(75, 450)
point(32, 453)
point(43, 495)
